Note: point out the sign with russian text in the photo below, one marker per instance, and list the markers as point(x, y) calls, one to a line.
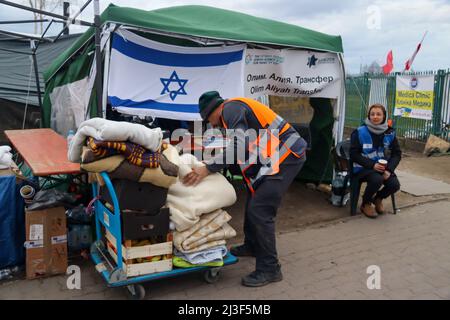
point(414, 97)
point(291, 73)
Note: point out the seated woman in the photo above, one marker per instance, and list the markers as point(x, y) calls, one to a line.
point(370, 143)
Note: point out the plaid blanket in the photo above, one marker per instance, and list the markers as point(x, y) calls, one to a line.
point(134, 153)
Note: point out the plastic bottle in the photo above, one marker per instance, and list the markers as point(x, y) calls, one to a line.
point(70, 136)
point(85, 236)
point(74, 237)
point(8, 273)
point(339, 190)
point(5, 274)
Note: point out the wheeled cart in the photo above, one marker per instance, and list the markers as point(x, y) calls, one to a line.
point(108, 259)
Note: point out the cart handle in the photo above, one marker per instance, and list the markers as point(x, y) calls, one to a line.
point(111, 191)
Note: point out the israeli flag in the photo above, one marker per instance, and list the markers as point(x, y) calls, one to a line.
point(149, 78)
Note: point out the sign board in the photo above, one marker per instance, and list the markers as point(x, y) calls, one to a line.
point(291, 73)
point(414, 97)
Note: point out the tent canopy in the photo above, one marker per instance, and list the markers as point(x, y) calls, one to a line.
point(211, 23)
point(200, 24)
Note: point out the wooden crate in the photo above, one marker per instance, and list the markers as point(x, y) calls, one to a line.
point(129, 253)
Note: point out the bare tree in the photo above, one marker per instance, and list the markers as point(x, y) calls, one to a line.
point(47, 5)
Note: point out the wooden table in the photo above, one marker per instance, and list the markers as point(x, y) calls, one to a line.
point(43, 150)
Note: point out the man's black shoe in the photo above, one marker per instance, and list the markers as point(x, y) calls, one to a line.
point(242, 251)
point(260, 278)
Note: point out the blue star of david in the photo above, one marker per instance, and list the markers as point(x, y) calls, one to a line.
point(311, 61)
point(173, 79)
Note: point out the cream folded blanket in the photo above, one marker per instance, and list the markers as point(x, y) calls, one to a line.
point(212, 230)
point(188, 203)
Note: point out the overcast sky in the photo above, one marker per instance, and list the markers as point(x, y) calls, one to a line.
point(369, 29)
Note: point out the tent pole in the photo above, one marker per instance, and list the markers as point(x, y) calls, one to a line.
point(341, 103)
point(66, 27)
point(22, 21)
point(106, 74)
point(45, 13)
point(98, 60)
point(42, 37)
point(36, 74)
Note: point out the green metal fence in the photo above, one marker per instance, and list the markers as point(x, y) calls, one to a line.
point(368, 88)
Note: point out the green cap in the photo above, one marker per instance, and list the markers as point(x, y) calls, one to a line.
point(208, 102)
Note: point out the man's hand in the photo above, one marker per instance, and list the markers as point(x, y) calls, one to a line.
point(194, 177)
point(379, 168)
point(386, 175)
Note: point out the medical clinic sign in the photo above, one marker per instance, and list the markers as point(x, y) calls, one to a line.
point(414, 97)
point(291, 73)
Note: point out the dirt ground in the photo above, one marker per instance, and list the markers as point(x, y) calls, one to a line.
point(302, 207)
point(435, 167)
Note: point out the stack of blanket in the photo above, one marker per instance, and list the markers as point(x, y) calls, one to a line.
point(134, 152)
point(201, 224)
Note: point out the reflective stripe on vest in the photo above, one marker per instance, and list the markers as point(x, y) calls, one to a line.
point(368, 151)
point(267, 145)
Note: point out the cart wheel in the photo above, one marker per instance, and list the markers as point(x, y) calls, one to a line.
point(212, 275)
point(135, 292)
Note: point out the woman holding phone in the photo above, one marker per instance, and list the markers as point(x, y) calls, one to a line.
point(375, 154)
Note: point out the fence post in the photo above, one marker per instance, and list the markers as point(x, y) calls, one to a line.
point(394, 97)
point(438, 89)
point(364, 95)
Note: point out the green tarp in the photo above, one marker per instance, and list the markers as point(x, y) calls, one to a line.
point(15, 69)
point(319, 165)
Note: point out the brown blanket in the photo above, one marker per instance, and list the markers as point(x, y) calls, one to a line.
point(119, 168)
point(134, 153)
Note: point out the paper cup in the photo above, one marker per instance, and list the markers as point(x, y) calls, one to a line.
point(383, 163)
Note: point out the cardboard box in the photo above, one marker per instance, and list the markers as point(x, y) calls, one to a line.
point(46, 242)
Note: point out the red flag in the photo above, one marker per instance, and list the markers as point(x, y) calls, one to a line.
point(409, 62)
point(387, 68)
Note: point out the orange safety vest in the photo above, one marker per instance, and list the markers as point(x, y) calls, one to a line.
point(267, 144)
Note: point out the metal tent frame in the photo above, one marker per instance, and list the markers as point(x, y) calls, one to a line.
point(35, 40)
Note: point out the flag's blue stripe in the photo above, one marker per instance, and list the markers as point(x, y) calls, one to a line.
point(152, 104)
point(172, 59)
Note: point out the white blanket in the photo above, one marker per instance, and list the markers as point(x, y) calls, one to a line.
point(208, 255)
point(107, 130)
point(5, 157)
point(188, 203)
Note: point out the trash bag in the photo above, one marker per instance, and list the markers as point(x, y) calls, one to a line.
point(78, 215)
point(80, 232)
point(51, 198)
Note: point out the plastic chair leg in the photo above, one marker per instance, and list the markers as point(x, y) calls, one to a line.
point(345, 188)
point(394, 207)
point(355, 189)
